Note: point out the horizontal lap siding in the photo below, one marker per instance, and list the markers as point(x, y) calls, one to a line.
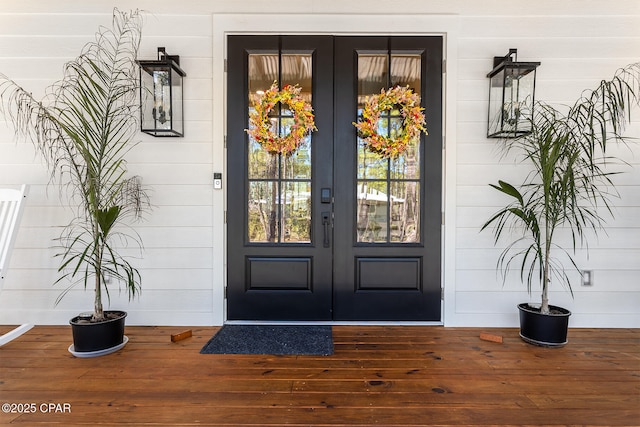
point(576, 52)
point(177, 262)
point(577, 42)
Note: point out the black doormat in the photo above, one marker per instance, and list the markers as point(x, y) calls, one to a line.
point(271, 339)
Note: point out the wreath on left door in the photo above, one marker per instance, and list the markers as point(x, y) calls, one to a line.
point(261, 128)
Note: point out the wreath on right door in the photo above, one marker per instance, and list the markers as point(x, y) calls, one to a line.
point(413, 121)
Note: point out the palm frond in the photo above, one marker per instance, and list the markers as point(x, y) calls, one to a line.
point(84, 127)
point(569, 185)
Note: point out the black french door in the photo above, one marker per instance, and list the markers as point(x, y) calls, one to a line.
point(333, 232)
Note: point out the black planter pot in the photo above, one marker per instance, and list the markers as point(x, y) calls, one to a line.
point(92, 337)
point(547, 330)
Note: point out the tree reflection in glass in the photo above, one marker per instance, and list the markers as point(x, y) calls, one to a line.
point(388, 190)
point(279, 196)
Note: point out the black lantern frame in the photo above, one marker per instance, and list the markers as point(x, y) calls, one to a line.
point(162, 95)
point(512, 87)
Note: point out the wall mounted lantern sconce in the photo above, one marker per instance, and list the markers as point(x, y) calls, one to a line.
point(161, 95)
point(512, 86)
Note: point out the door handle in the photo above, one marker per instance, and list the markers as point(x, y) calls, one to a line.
point(326, 223)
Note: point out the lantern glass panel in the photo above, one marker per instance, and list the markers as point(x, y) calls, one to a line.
point(147, 98)
point(511, 101)
point(518, 100)
point(161, 100)
point(175, 99)
point(496, 100)
point(156, 99)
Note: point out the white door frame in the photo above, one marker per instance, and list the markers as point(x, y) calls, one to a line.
point(414, 25)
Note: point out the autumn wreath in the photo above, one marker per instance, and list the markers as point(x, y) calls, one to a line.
point(413, 121)
point(260, 126)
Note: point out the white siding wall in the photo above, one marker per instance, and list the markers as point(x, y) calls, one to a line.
point(578, 43)
point(577, 50)
point(177, 264)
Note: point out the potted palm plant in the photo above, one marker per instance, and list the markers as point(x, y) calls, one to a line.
point(566, 195)
point(84, 126)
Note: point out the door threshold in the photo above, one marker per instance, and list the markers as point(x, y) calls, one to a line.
point(335, 323)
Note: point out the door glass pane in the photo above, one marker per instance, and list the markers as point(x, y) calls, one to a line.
point(388, 195)
point(372, 211)
point(279, 202)
point(263, 212)
point(370, 165)
point(405, 70)
point(296, 70)
point(395, 127)
point(263, 71)
point(373, 72)
point(407, 165)
point(298, 165)
point(296, 212)
point(262, 165)
point(286, 122)
point(405, 211)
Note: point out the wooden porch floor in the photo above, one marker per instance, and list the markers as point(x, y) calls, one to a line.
point(378, 376)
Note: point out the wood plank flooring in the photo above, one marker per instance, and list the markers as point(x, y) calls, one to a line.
point(378, 376)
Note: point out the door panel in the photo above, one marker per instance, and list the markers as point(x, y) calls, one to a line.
point(278, 266)
point(388, 267)
point(334, 232)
